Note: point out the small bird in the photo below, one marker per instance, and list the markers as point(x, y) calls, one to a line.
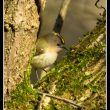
point(47, 49)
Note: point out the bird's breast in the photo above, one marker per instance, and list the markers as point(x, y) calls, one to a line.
point(44, 60)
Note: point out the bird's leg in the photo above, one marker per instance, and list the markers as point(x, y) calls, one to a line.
point(37, 75)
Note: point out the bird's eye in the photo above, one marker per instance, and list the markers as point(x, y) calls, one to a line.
point(58, 44)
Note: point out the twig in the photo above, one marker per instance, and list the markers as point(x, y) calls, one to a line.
point(99, 6)
point(62, 99)
point(61, 16)
point(40, 108)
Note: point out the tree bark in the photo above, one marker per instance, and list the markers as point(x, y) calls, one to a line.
point(21, 23)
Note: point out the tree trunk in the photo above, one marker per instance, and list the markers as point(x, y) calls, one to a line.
point(21, 23)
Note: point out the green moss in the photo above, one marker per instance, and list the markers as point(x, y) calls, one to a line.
point(24, 96)
point(69, 74)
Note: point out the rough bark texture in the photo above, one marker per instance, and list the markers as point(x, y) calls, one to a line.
point(21, 23)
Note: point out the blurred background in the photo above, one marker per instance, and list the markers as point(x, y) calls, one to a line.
point(81, 18)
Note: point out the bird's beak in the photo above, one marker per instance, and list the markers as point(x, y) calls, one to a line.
point(63, 47)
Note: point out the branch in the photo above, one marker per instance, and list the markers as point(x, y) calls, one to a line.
point(40, 108)
point(64, 8)
point(61, 16)
point(62, 99)
point(101, 7)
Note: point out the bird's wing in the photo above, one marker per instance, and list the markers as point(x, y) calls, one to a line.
point(39, 51)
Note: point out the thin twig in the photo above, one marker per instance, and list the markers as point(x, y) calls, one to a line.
point(96, 4)
point(40, 107)
point(61, 16)
point(63, 99)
